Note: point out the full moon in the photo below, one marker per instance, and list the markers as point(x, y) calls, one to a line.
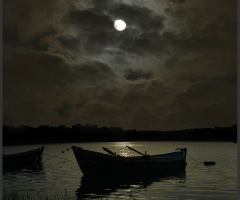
point(119, 25)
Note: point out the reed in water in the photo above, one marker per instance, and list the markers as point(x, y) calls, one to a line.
point(37, 196)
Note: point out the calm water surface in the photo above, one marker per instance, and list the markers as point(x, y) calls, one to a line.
point(62, 173)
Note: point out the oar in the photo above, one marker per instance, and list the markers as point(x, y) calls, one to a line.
point(135, 150)
point(107, 150)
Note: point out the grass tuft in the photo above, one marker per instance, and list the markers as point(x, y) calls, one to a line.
point(37, 196)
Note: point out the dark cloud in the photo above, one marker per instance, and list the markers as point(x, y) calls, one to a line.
point(101, 5)
point(63, 111)
point(94, 31)
point(203, 102)
point(69, 42)
point(177, 1)
point(87, 20)
point(147, 43)
point(97, 42)
point(136, 75)
point(94, 73)
point(10, 34)
point(36, 70)
point(207, 93)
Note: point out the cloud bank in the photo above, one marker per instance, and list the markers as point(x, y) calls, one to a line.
point(173, 67)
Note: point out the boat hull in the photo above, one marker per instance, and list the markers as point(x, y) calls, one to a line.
point(23, 159)
point(96, 163)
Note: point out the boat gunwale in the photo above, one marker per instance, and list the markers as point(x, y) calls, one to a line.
point(22, 153)
point(79, 150)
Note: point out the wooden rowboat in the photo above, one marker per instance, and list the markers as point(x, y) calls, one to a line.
point(91, 162)
point(23, 159)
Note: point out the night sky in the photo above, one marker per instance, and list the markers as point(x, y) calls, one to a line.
point(173, 67)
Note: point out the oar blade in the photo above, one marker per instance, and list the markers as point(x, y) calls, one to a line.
point(135, 150)
point(108, 151)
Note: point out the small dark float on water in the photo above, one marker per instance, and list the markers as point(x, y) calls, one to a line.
point(208, 163)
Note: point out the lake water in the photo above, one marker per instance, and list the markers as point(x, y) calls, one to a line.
point(63, 174)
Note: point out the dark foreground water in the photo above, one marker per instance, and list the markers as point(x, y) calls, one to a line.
point(200, 182)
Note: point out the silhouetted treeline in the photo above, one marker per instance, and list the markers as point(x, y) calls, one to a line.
point(92, 133)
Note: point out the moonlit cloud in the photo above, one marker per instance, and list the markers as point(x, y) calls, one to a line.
point(173, 67)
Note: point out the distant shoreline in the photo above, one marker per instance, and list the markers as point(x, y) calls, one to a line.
point(26, 135)
point(46, 143)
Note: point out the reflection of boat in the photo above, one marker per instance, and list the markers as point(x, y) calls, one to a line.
point(26, 158)
point(100, 186)
point(92, 162)
point(28, 168)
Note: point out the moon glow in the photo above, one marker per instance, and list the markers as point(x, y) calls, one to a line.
point(119, 25)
